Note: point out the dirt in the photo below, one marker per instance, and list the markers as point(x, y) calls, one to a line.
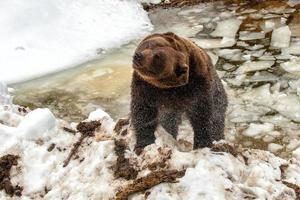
point(69, 130)
point(120, 124)
point(283, 168)
point(227, 148)
point(51, 147)
point(181, 3)
point(174, 4)
point(144, 183)
point(6, 163)
point(123, 168)
point(86, 129)
point(162, 163)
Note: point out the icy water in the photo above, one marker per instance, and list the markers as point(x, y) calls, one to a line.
point(255, 48)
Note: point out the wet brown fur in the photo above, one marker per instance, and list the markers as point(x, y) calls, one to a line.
point(175, 76)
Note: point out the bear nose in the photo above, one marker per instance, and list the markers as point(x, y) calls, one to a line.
point(138, 58)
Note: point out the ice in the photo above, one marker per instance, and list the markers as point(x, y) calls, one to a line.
point(255, 130)
point(214, 43)
point(294, 48)
point(230, 54)
point(274, 148)
point(240, 114)
point(250, 66)
point(227, 28)
point(292, 66)
point(271, 24)
point(237, 80)
point(296, 154)
point(185, 29)
point(42, 37)
point(246, 35)
point(150, 1)
point(288, 106)
point(281, 37)
point(263, 77)
point(260, 95)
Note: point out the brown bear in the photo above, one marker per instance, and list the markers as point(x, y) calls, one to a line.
point(172, 76)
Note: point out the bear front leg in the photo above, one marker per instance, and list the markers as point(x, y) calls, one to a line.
point(200, 117)
point(170, 121)
point(144, 122)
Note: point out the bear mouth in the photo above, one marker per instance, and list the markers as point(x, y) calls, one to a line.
point(136, 64)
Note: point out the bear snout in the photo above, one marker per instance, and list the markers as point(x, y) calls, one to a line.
point(138, 59)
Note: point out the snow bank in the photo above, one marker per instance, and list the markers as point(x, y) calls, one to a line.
point(41, 37)
point(43, 144)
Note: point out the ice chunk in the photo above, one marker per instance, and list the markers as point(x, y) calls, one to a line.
point(150, 1)
point(250, 66)
point(263, 77)
point(186, 29)
point(256, 129)
point(288, 106)
point(281, 37)
point(294, 48)
point(296, 153)
point(292, 66)
point(230, 54)
point(227, 28)
point(260, 95)
point(241, 113)
point(237, 80)
point(274, 148)
point(246, 35)
point(214, 58)
point(214, 43)
point(37, 124)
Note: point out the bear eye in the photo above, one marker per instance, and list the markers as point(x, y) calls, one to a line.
point(179, 70)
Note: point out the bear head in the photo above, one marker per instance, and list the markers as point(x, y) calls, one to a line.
point(162, 60)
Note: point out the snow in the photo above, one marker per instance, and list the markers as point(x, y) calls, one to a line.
point(38, 121)
point(281, 37)
point(42, 37)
